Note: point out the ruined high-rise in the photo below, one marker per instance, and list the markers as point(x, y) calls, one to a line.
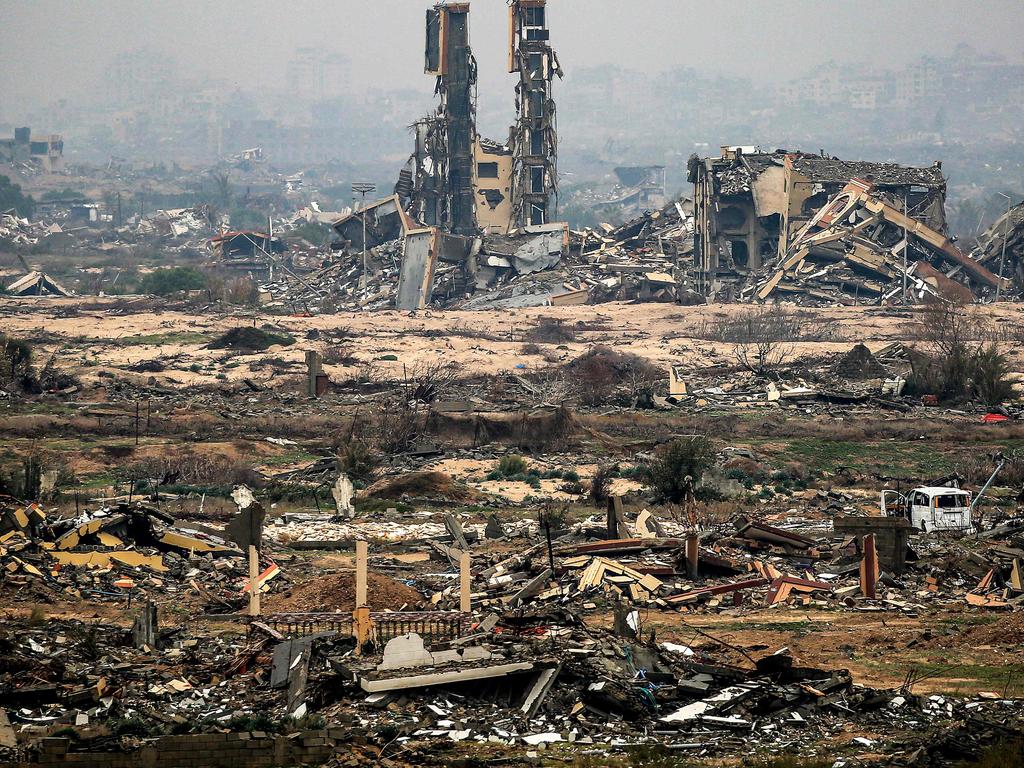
point(459, 181)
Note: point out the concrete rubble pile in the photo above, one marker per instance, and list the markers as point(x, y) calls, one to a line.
point(74, 673)
point(127, 547)
point(854, 250)
point(751, 563)
point(15, 230)
point(411, 267)
point(547, 678)
point(511, 656)
point(1001, 250)
point(512, 679)
point(859, 379)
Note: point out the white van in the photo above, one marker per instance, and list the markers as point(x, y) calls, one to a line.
point(931, 508)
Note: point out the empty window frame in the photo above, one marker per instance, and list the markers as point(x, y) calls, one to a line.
point(537, 179)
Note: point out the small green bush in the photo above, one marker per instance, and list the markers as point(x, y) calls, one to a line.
point(169, 280)
point(686, 457)
point(511, 465)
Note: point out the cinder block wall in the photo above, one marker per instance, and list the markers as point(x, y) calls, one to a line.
point(891, 537)
point(201, 750)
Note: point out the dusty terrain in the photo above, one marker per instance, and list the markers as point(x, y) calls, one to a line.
point(210, 418)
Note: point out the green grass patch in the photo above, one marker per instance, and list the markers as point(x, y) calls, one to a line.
point(371, 505)
point(958, 679)
point(914, 458)
point(171, 337)
point(296, 456)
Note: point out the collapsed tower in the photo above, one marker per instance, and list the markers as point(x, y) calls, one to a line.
point(460, 182)
point(533, 139)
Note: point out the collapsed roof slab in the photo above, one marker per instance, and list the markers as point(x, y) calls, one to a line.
point(442, 677)
point(385, 221)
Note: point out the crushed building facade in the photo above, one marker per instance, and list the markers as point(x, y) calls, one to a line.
point(45, 153)
point(751, 206)
point(1001, 248)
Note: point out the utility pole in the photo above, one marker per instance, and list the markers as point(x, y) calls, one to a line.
point(1002, 256)
point(363, 187)
point(906, 245)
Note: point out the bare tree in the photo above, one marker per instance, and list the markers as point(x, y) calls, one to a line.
point(761, 339)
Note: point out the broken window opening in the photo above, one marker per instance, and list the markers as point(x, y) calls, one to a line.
point(732, 217)
point(536, 104)
point(534, 16)
point(536, 142)
point(740, 254)
point(536, 63)
point(537, 179)
point(487, 170)
point(537, 214)
point(814, 203)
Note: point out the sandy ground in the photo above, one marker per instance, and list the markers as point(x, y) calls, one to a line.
point(473, 472)
point(479, 342)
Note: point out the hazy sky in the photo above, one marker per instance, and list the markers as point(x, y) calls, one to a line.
point(51, 49)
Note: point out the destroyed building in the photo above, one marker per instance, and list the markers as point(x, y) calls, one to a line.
point(1001, 247)
point(640, 188)
point(246, 250)
point(862, 246)
point(460, 181)
point(46, 153)
point(470, 210)
point(750, 203)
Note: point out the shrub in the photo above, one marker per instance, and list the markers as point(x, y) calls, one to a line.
point(356, 460)
point(599, 483)
point(551, 330)
point(237, 290)
point(164, 282)
point(251, 339)
point(598, 372)
point(399, 423)
point(11, 197)
point(15, 363)
point(962, 373)
point(990, 376)
point(313, 232)
point(761, 342)
point(340, 354)
point(674, 462)
point(511, 465)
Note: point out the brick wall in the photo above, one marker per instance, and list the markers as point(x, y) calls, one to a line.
point(201, 750)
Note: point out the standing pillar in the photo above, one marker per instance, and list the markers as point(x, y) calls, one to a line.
point(465, 583)
point(692, 555)
point(869, 567)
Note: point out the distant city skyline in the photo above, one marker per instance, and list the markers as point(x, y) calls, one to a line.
point(56, 49)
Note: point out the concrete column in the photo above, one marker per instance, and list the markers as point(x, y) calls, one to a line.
point(361, 561)
point(869, 567)
point(465, 583)
point(254, 576)
point(616, 520)
point(692, 555)
point(314, 367)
